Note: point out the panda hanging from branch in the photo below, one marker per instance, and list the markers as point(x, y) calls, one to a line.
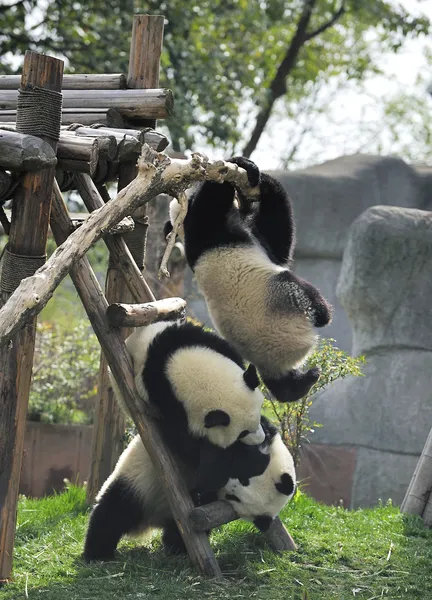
point(241, 257)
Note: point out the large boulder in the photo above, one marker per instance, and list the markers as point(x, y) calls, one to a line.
point(385, 287)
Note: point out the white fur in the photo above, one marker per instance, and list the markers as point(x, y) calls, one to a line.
point(136, 467)
point(261, 497)
point(204, 380)
point(236, 283)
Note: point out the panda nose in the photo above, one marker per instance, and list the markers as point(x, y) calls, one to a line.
point(254, 437)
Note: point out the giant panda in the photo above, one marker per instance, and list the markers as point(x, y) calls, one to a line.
point(206, 398)
point(241, 259)
point(256, 480)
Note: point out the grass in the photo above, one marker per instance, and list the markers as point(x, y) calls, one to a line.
point(362, 554)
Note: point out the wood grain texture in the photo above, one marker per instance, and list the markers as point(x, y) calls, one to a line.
point(133, 104)
point(215, 514)
point(420, 488)
point(165, 176)
point(21, 152)
point(81, 81)
point(139, 315)
point(119, 362)
point(28, 235)
point(143, 73)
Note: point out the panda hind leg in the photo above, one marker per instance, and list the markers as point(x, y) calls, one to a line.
point(117, 513)
point(171, 538)
point(293, 386)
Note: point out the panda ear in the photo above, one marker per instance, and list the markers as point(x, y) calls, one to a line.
point(217, 418)
point(167, 228)
point(250, 377)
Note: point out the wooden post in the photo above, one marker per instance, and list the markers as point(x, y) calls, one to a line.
point(27, 237)
point(143, 72)
point(95, 303)
point(420, 489)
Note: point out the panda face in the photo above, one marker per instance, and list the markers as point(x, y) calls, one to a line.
point(222, 402)
point(260, 499)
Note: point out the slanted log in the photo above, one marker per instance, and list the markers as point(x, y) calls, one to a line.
point(80, 81)
point(21, 152)
point(420, 487)
point(169, 176)
point(27, 237)
point(138, 315)
point(119, 252)
point(131, 104)
point(119, 362)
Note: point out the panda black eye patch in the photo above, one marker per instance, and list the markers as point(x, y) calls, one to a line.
point(217, 418)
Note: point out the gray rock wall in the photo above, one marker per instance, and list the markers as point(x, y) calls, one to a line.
point(385, 287)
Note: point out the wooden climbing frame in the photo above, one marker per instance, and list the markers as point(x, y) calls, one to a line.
point(85, 159)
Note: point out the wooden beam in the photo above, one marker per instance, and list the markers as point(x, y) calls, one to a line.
point(22, 152)
point(80, 81)
point(143, 72)
point(420, 487)
point(118, 249)
point(131, 104)
point(215, 514)
point(138, 315)
point(27, 237)
point(170, 176)
point(119, 362)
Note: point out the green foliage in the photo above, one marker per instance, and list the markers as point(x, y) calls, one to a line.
point(217, 55)
point(362, 554)
point(65, 374)
point(293, 418)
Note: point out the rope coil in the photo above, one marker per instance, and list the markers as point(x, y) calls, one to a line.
point(16, 267)
point(39, 112)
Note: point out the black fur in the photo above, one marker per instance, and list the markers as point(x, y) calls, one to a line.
point(217, 418)
point(285, 485)
point(251, 378)
point(294, 385)
point(119, 512)
point(239, 461)
point(263, 522)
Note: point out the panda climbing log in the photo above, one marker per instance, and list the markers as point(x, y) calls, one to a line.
point(241, 258)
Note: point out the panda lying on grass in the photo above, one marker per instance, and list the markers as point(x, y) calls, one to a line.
point(241, 259)
point(257, 480)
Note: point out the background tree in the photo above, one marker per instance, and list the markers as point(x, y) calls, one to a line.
point(223, 59)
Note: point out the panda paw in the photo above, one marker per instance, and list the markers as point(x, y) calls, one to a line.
point(253, 172)
point(293, 386)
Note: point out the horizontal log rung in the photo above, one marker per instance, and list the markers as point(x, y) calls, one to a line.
point(138, 315)
point(79, 81)
point(215, 514)
point(132, 104)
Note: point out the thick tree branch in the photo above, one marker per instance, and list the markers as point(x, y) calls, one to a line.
point(278, 85)
point(157, 174)
point(338, 14)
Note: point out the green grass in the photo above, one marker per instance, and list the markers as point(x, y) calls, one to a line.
point(363, 554)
